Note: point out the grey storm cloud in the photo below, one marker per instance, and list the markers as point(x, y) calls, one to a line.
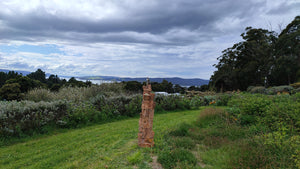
point(136, 22)
point(156, 38)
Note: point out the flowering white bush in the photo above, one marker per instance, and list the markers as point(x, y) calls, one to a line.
point(17, 117)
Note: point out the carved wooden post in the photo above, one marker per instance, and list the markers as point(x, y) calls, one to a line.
point(146, 134)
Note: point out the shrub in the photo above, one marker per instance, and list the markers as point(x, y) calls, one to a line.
point(251, 107)
point(171, 102)
point(279, 89)
point(209, 99)
point(258, 89)
point(295, 85)
point(283, 110)
point(196, 102)
point(118, 105)
point(222, 100)
point(40, 94)
point(11, 91)
point(295, 91)
point(20, 117)
point(74, 94)
point(250, 88)
point(82, 114)
point(134, 106)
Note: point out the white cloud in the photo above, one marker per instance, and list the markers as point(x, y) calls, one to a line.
point(131, 38)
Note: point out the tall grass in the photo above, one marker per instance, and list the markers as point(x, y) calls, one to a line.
point(74, 94)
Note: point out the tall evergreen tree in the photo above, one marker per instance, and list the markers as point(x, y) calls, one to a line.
point(246, 63)
point(286, 69)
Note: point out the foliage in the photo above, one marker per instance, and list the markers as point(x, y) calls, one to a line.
point(38, 75)
point(250, 107)
point(99, 103)
point(6, 76)
point(11, 91)
point(133, 86)
point(266, 109)
point(25, 83)
point(295, 85)
point(171, 102)
point(287, 49)
point(280, 116)
point(279, 89)
point(262, 59)
point(74, 94)
point(196, 102)
point(82, 114)
point(22, 117)
point(223, 99)
point(164, 86)
point(258, 89)
point(40, 94)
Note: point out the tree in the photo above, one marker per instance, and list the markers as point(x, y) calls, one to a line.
point(11, 91)
point(73, 82)
point(133, 86)
point(246, 63)
point(204, 88)
point(3, 78)
point(167, 86)
point(179, 89)
point(287, 55)
point(38, 75)
point(25, 83)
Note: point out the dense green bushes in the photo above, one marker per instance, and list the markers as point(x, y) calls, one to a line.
point(279, 143)
point(267, 110)
point(254, 131)
point(272, 90)
point(22, 117)
point(85, 105)
point(75, 106)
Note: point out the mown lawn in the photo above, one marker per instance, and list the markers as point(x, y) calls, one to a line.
point(111, 145)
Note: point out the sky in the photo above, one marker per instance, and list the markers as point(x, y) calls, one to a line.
point(130, 38)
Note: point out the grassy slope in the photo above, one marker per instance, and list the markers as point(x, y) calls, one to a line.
point(97, 146)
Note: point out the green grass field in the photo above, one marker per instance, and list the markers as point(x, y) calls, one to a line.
point(111, 145)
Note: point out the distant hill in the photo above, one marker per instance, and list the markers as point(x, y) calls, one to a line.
point(174, 80)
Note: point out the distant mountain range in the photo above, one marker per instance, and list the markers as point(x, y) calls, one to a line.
point(173, 80)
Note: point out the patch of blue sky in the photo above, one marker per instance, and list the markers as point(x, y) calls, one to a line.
point(42, 49)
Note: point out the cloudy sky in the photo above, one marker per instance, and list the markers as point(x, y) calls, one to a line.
point(130, 38)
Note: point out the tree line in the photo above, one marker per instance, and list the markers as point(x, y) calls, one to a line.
point(164, 86)
point(263, 58)
point(13, 84)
